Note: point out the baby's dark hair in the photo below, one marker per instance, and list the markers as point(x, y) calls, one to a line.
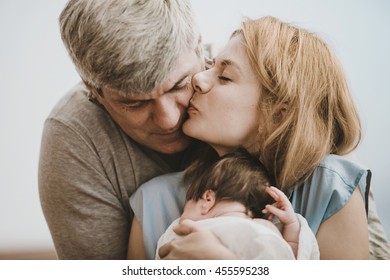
point(237, 176)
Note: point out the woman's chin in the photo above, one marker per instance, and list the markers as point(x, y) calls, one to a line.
point(188, 129)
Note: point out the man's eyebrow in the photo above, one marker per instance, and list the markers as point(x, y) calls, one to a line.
point(228, 62)
point(127, 100)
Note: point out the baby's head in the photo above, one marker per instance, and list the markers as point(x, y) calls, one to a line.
point(236, 177)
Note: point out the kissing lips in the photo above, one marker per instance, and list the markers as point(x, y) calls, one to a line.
point(191, 108)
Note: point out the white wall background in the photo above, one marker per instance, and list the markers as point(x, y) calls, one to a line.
point(35, 72)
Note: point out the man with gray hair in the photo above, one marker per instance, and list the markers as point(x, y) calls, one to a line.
point(122, 125)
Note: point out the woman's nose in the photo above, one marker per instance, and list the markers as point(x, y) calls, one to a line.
point(201, 82)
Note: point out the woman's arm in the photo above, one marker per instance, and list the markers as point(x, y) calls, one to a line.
point(345, 235)
point(136, 250)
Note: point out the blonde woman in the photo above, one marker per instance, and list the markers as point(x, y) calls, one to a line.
point(279, 92)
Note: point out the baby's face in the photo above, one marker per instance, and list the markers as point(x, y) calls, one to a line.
point(193, 210)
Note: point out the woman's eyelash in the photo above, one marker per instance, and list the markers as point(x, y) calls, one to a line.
point(223, 78)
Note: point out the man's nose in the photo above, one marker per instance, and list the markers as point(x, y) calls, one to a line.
point(167, 113)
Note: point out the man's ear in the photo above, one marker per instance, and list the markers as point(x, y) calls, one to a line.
point(93, 90)
point(208, 201)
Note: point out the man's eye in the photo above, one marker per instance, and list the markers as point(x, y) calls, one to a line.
point(183, 84)
point(223, 78)
point(135, 105)
point(177, 87)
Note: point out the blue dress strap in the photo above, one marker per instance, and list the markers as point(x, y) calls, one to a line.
point(329, 188)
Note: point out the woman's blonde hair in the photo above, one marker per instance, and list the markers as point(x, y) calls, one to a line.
point(307, 108)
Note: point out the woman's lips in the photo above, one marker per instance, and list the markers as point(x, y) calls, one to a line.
point(192, 108)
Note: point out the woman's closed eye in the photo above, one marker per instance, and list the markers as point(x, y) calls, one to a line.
point(224, 78)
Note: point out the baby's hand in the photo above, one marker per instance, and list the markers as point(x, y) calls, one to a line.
point(282, 207)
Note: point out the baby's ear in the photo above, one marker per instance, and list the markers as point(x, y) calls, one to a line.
point(208, 201)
